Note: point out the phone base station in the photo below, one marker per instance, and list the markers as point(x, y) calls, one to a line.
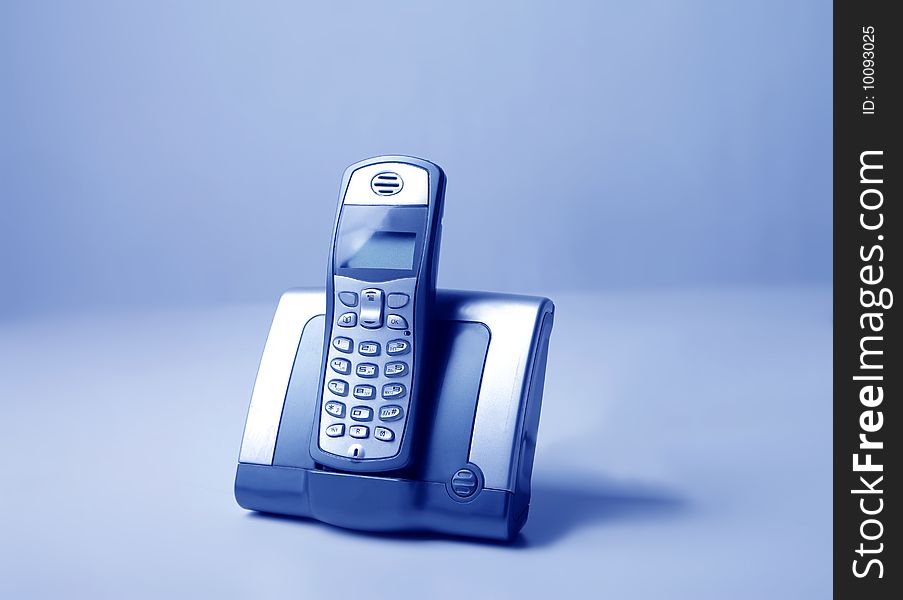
point(475, 433)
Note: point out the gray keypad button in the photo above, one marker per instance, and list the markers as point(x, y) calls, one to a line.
point(359, 431)
point(368, 348)
point(364, 392)
point(398, 347)
point(396, 369)
point(396, 322)
point(367, 370)
point(396, 300)
point(340, 366)
point(393, 390)
point(336, 430)
point(372, 308)
point(349, 319)
point(338, 387)
point(343, 344)
point(336, 409)
point(384, 434)
point(362, 413)
point(391, 412)
point(348, 298)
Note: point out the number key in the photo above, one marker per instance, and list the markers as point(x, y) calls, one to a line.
point(343, 344)
point(367, 370)
point(338, 387)
point(362, 413)
point(368, 348)
point(340, 366)
point(396, 369)
point(397, 347)
point(393, 390)
point(364, 392)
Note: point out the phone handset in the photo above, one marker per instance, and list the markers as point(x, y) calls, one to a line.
point(380, 290)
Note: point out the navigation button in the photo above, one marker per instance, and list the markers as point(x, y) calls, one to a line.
point(372, 308)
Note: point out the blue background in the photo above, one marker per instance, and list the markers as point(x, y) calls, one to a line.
point(171, 153)
point(660, 169)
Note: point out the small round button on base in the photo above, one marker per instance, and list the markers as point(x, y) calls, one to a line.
point(464, 483)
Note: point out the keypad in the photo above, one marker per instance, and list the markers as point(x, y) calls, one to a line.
point(370, 362)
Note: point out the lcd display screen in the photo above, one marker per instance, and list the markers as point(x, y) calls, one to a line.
point(381, 250)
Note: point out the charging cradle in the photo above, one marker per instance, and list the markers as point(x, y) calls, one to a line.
point(476, 429)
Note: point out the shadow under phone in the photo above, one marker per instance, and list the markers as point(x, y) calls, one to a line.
point(558, 509)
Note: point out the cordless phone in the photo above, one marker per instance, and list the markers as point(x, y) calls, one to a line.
point(380, 291)
point(424, 403)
